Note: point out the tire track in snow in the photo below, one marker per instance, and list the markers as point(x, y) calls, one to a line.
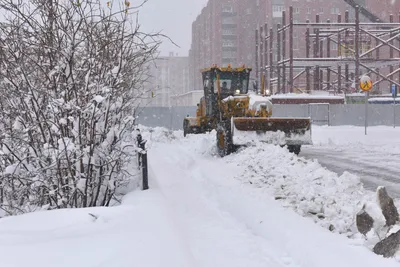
point(215, 237)
point(153, 183)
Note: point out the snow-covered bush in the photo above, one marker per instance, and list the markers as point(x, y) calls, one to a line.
point(71, 75)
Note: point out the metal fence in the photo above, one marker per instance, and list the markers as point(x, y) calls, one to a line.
point(335, 115)
point(171, 118)
point(321, 114)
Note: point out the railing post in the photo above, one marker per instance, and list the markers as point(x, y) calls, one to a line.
point(142, 156)
point(329, 114)
point(145, 171)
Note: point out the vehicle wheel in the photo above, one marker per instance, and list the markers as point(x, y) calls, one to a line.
point(294, 149)
point(224, 139)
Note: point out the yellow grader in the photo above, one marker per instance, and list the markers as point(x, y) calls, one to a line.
point(239, 117)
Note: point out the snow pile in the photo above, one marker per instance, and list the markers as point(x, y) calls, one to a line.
point(140, 232)
point(331, 200)
point(202, 143)
point(365, 79)
point(158, 134)
point(246, 137)
point(254, 98)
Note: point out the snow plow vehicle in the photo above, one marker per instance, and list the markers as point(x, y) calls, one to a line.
point(240, 118)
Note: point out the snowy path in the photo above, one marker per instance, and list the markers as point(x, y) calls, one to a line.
point(226, 223)
point(374, 168)
point(215, 237)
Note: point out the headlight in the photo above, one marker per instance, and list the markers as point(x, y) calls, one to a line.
point(237, 91)
point(268, 92)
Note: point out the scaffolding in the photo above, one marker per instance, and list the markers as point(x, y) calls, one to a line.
point(358, 49)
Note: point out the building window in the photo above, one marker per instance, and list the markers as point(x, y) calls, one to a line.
point(227, 9)
point(321, 10)
point(308, 10)
point(278, 8)
point(296, 10)
point(228, 32)
point(226, 61)
point(229, 54)
point(228, 43)
point(228, 20)
point(335, 10)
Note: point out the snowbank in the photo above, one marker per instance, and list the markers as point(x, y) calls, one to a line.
point(331, 200)
point(140, 231)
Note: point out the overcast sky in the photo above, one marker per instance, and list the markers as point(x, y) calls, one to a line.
point(174, 18)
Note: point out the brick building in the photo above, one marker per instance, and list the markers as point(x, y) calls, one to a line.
point(222, 34)
point(224, 31)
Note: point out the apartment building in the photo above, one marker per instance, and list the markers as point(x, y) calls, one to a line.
point(224, 32)
point(169, 77)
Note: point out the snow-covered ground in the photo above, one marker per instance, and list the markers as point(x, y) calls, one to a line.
point(140, 232)
point(259, 207)
point(331, 200)
point(378, 139)
point(373, 157)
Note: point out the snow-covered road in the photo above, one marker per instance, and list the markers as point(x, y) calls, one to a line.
point(374, 168)
point(374, 157)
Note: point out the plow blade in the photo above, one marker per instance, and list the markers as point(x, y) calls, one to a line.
point(282, 131)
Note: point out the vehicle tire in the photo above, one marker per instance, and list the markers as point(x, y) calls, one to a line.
point(224, 139)
point(294, 149)
point(297, 149)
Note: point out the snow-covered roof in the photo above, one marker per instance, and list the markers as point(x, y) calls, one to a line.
point(385, 99)
point(292, 95)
